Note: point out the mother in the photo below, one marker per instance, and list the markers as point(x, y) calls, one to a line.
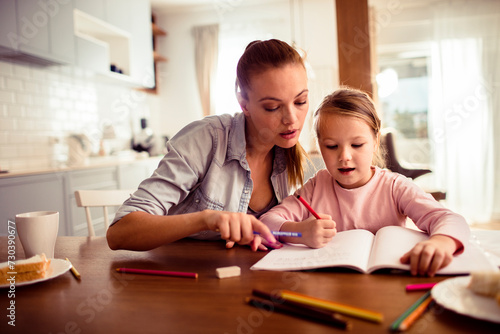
point(221, 173)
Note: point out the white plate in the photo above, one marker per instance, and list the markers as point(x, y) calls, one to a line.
point(454, 295)
point(57, 267)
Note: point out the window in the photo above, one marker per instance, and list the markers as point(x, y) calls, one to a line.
point(233, 39)
point(404, 95)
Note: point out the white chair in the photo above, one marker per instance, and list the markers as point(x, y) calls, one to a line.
point(100, 198)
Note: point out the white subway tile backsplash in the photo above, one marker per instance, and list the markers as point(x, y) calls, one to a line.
point(66, 70)
point(9, 152)
point(20, 71)
point(8, 124)
point(14, 84)
point(52, 76)
point(40, 107)
point(5, 68)
point(15, 110)
point(55, 103)
point(38, 73)
point(24, 98)
point(6, 97)
point(27, 124)
point(68, 104)
point(14, 137)
point(31, 87)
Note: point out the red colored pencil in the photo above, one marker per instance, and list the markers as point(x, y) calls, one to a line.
point(308, 207)
point(420, 286)
point(156, 272)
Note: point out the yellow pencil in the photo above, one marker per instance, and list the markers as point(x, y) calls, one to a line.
point(332, 306)
point(74, 271)
point(412, 317)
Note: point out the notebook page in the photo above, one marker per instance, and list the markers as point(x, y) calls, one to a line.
point(350, 249)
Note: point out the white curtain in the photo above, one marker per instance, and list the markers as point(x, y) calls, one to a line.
point(464, 105)
point(206, 55)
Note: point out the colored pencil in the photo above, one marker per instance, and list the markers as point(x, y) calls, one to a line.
point(291, 309)
point(420, 286)
point(74, 271)
point(416, 314)
point(321, 314)
point(396, 324)
point(333, 306)
point(156, 272)
point(308, 207)
point(283, 234)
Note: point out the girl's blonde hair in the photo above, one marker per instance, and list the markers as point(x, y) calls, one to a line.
point(260, 56)
point(352, 102)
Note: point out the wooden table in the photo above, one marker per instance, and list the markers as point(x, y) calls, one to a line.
point(105, 301)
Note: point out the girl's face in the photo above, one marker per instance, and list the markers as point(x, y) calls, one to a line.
point(347, 145)
point(276, 107)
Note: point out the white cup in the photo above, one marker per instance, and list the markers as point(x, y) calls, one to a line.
point(38, 232)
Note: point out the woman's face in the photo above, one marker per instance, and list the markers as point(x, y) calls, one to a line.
point(347, 145)
point(276, 107)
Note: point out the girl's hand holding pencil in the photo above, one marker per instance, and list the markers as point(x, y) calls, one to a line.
point(316, 233)
point(317, 230)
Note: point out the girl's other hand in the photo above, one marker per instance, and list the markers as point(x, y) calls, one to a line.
point(427, 257)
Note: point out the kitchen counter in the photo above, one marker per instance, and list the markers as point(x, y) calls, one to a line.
point(53, 189)
point(92, 162)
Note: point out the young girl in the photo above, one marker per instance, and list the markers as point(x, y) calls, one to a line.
point(351, 193)
point(222, 172)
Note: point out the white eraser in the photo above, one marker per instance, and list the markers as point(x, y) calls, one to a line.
point(225, 272)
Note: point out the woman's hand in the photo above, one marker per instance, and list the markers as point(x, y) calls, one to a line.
point(316, 233)
point(239, 228)
point(427, 257)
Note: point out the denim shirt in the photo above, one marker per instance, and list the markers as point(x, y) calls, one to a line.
point(205, 167)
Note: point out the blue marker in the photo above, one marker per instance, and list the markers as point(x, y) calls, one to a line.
point(283, 234)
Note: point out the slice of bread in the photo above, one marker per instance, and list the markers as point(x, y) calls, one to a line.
point(486, 283)
point(25, 270)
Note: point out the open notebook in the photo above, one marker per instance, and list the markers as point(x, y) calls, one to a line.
point(365, 252)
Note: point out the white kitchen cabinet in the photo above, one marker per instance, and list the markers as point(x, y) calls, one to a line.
point(120, 12)
point(91, 34)
point(92, 55)
point(33, 27)
point(55, 191)
point(121, 176)
point(130, 175)
point(96, 8)
point(125, 31)
point(94, 179)
point(142, 60)
point(37, 31)
point(61, 35)
point(135, 18)
point(9, 38)
point(44, 192)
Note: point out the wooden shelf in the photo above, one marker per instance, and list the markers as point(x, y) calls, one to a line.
point(157, 31)
point(158, 57)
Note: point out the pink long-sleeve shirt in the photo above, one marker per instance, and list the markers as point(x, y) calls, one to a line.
point(387, 199)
